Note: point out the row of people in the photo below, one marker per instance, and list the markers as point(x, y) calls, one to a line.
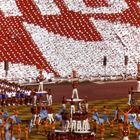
point(79, 122)
point(24, 96)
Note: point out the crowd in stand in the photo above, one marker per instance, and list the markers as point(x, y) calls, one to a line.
point(65, 53)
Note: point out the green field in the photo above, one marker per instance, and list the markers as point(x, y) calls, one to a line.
point(25, 116)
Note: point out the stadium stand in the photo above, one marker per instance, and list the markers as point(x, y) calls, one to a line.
point(61, 35)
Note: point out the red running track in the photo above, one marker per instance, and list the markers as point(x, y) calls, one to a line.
point(94, 91)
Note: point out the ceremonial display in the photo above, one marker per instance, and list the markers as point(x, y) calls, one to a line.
point(69, 69)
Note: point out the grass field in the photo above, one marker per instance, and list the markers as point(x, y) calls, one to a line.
point(25, 115)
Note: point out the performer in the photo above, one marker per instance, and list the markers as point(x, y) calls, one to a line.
point(105, 116)
point(96, 115)
point(72, 107)
point(120, 127)
point(19, 131)
point(46, 126)
point(125, 113)
point(50, 114)
point(74, 85)
point(94, 125)
point(85, 122)
point(49, 97)
point(26, 132)
point(64, 102)
point(102, 130)
point(117, 114)
point(40, 79)
point(37, 123)
point(79, 123)
point(34, 99)
point(131, 96)
point(125, 133)
point(2, 132)
point(111, 124)
point(73, 123)
point(67, 121)
point(35, 111)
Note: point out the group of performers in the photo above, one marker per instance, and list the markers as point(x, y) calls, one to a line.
point(14, 94)
point(124, 119)
point(40, 78)
point(77, 124)
point(10, 126)
point(73, 118)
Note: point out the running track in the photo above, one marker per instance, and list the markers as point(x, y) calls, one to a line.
point(94, 91)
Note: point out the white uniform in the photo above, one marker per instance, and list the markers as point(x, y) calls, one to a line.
point(125, 138)
point(40, 88)
point(49, 100)
point(35, 100)
point(129, 99)
point(75, 93)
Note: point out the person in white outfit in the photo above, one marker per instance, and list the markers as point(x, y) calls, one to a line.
point(50, 114)
point(66, 117)
point(85, 126)
point(74, 85)
point(75, 90)
point(129, 97)
point(40, 79)
point(73, 124)
point(34, 99)
point(72, 107)
point(49, 100)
